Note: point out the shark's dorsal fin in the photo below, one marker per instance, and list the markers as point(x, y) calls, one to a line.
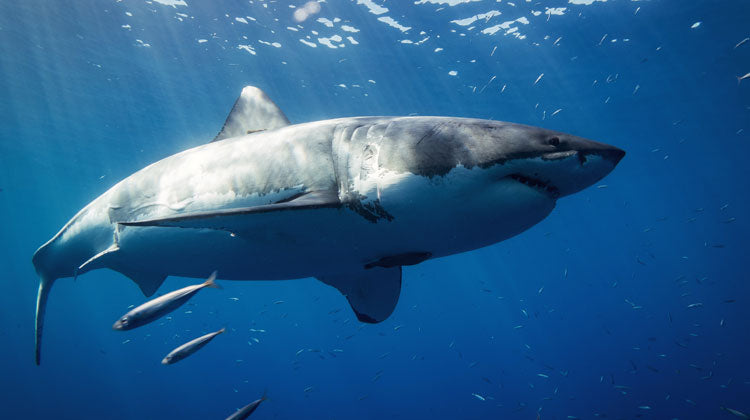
point(372, 293)
point(253, 111)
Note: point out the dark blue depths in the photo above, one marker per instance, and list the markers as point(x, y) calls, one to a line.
point(629, 300)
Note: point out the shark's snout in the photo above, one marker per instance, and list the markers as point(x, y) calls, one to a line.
point(591, 163)
point(615, 155)
point(566, 164)
point(611, 154)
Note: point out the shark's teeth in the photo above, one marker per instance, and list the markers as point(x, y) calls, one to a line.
point(537, 184)
point(558, 155)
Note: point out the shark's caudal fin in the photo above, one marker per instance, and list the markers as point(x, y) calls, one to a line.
point(253, 111)
point(372, 294)
point(45, 284)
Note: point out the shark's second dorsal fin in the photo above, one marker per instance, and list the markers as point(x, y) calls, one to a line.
point(253, 111)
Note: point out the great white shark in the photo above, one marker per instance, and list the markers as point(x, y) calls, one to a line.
point(348, 201)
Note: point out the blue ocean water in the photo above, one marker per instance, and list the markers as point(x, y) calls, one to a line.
point(589, 314)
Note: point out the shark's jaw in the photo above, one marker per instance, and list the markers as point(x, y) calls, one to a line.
point(544, 187)
point(557, 175)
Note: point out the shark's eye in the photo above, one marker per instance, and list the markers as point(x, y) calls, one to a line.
point(554, 141)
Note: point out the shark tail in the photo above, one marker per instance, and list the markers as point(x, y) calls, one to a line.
point(45, 285)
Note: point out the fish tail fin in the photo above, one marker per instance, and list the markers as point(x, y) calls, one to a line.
point(211, 282)
point(45, 284)
point(739, 80)
point(264, 397)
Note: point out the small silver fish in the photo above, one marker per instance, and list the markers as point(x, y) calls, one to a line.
point(479, 397)
point(157, 308)
point(741, 78)
point(737, 413)
point(189, 348)
point(245, 411)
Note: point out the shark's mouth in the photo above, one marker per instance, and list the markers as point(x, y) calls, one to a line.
point(537, 184)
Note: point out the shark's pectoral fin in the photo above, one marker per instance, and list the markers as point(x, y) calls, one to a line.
point(148, 282)
point(235, 220)
point(45, 284)
point(253, 111)
point(373, 293)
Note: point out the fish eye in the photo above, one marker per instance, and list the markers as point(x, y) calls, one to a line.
point(553, 141)
point(124, 320)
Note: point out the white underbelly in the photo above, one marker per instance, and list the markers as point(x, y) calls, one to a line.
point(304, 243)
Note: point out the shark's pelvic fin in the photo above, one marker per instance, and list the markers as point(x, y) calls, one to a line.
point(45, 284)
point(234, 220)
point(253, 111)
point(408, 258)
point(372, 294)
point(148, 282)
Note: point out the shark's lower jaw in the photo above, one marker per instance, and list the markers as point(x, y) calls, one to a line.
point(537, 184)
